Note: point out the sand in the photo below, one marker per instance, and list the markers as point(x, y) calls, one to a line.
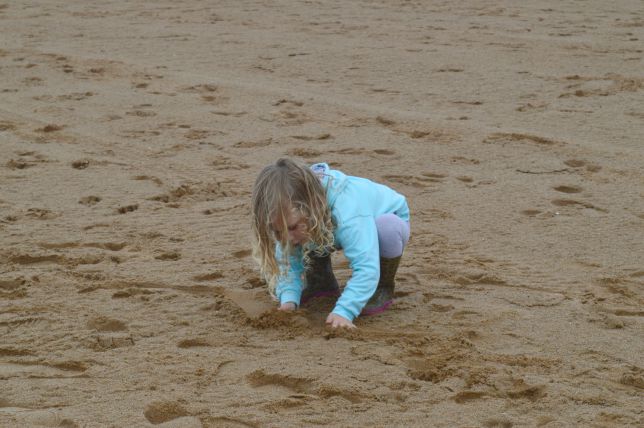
point(130, 137)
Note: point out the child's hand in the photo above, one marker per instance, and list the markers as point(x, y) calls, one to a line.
point(288, 306)
point(336, 320)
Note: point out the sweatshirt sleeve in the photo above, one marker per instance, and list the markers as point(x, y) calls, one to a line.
point(359, 239)
point(289, 283)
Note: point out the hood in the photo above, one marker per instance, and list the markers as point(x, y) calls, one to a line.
point(333, 181)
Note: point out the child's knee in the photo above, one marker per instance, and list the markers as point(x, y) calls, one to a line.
point(393, 234)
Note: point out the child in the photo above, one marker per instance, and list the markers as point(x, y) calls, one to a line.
point(301, 215)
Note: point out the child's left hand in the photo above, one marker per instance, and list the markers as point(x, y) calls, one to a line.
point(339, 321)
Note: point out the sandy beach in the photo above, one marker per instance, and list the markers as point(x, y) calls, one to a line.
point(130, 137)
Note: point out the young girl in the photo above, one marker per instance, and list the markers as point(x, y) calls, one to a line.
point(301, 215)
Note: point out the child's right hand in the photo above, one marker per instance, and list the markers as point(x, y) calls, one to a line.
point(288, 306)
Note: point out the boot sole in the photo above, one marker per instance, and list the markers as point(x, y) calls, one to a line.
point(378, 310)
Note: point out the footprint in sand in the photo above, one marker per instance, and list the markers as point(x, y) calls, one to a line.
point(518, 389)
point(634, 377)
point(127, 209)
point(508, 389)
point(242, 253)
point(575, 163)
point(460, 160)
point(97, 70)
point(201, 134)
point(470, 103)
point(169, 256)
point(431, 134)
point(159, 412)
point(18, 164)
point(210, 98)
point(253, 144)
point(197, 192)
point(579, 204)
point(105, 341)
point(532, 107)
point(350, 151)
point(450, 70)
point(384, 121)
point(89, 200)
point(224, 163)
point(568, 189)
point(259, 378)
point(441, 308)
point(229, 113)
point(50, 128)
point(203, 88)
point(578, 163)
point(26, 160)
point(504, 138)
point(124, 294)
point(40, 214)
point(7, 126)
point(304, 153)
point(531, 213)
point(140, 113)
point(289, 117)
point(32, 81)
point(140, 134)
point(155, 180)
point(81, 163)
point(467, 396)
point(384, 152)
point(194, 343)
point(208, 276)
point(320, 137)
point(384, 90)
point(285, 101)
point(13, 289)
point(292, 384)
point(429, 370)
point(422, 180)
point(75, 96)
point(105, 324)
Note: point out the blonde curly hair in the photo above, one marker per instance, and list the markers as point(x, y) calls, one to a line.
point(279, 188)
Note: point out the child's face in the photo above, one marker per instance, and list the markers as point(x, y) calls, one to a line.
point(297, 225)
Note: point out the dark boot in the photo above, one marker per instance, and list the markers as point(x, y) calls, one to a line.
point(384, 295)
point(319, 279)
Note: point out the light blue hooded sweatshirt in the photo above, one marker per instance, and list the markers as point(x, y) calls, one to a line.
point(355, 204)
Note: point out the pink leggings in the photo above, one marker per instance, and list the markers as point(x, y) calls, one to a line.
point(393, 235)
